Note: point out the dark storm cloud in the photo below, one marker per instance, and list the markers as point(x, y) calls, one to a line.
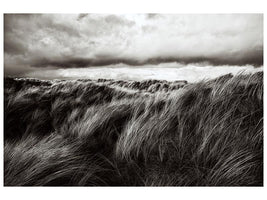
point(84, 40)
point(12, 43)
point(82, 15)
point(115, 20)
point(252, 58)
point(14, 46)
point(153, 15)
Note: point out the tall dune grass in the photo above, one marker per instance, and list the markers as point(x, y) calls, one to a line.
point(118, 133)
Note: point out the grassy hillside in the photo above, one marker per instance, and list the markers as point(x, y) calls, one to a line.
point(118, 133)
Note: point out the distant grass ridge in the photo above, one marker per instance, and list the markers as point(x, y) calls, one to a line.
point(119, 133)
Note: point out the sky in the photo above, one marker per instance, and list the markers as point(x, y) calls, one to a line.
point(132, 46)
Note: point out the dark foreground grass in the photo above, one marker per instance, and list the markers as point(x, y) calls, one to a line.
point(117, 133)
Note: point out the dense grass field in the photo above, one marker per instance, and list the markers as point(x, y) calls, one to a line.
point(129, 133)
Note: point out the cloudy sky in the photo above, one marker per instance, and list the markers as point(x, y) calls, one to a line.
point(132, 46)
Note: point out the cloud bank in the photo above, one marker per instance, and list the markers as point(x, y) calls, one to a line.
point(166, 71)
point(62, 41)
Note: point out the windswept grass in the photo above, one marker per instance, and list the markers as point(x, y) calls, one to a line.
point(150, 133)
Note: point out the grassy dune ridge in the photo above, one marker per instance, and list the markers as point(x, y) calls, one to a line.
point(148, 133)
